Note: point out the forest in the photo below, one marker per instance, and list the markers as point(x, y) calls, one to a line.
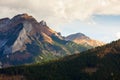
point(100, 63)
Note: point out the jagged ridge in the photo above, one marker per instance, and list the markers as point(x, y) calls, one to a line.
point(25, 40)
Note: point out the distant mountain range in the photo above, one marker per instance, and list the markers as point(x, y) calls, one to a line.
point(100, 63)
point(24, 40)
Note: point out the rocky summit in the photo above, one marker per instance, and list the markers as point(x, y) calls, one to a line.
point(82, 39)
point(24, 40)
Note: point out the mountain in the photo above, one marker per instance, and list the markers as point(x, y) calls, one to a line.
point(24, 40)
point(82, 39)
point(100, 63)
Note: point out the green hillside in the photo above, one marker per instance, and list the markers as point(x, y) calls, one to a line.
point(101, 63)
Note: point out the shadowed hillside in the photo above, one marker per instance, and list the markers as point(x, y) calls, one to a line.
point(101, 63)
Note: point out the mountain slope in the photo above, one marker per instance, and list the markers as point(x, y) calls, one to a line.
point(24, 40)
point(82, 39)
point(89, 65)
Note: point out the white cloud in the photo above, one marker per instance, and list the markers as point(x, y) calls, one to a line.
point(60, 11)
point(118, 35)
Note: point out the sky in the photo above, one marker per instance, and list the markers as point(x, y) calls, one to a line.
point(98, 19)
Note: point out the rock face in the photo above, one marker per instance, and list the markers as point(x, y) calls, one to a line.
point(18, 31)
point(82, 39)
point(24, 40)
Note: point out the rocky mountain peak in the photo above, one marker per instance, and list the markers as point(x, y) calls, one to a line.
point(76, 36)
point(24, 15)
point(4, 20)
point(6, 24)
point(22, 29)
point(80, 34)
point(43, 23)
point(82, 39)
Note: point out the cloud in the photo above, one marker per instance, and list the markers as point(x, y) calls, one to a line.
point(60, 11)
point(118, 35)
